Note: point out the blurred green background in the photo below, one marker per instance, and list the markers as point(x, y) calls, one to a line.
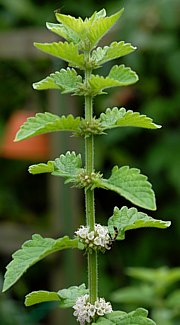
point(35, 204)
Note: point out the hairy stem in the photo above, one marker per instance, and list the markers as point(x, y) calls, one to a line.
point(89, 195)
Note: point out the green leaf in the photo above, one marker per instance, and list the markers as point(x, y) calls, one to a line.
point(100, 27)
point(129, 183)
point(118, 76)
point(69, 296)
point(162, 276)
point(65, 51)
point(68, 166)
point(42, 168)
point(120, 117)
point(63, 31)
point(114, 51)
point(66, 80)
point(91, 30)
point(173, 300)
point(46, 122)
point(37, 297)
point(137, 317)
point(123, 74)
point(141, 295)
point(65, 297)
point(126, 219)
point(31, 252)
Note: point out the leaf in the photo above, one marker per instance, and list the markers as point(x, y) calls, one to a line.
point(101, 26)
point(118, 76)
point(137, 317)
point(120, 117)
point(123, 74)
point(91, 30)
point(69, 296)
point(46, 122)
point(161, 276)
point(114, 51)
point(65, 297)
point(65, 51)
point(141, 295)
point(68, 166)
point(63, 31)
point(31, 252)
point(129, 183)
point(126, 219)
point(42, 168)
point(37, 297)
point(65, 80)
point(173, 300)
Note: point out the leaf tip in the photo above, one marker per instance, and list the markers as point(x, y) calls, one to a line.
point(168, 224)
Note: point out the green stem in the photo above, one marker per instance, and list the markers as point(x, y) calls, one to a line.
point(89, 195)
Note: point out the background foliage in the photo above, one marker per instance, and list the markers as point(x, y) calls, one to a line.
point(154, 27)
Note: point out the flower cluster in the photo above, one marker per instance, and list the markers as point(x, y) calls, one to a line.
point(84, 311)
point(98, 239)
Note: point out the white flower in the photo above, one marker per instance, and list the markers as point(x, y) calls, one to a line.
point(98, 238)
point(84, 311)
point(90, 235)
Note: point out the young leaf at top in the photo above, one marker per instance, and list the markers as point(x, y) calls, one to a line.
point(66, 80)
point(115, 117)
point(126, 219)
point(91, 30)
point(129, 183)
point(64, 32)
point(118, 76)
point(136, 317)
point(65, 297)
point(114, 51)
point(31, 252)
point(46, 122)
point(68, 166)
point(65, 51)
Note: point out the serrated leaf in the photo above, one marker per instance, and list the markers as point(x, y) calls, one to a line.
point(66, 80)
point(31, 252)
point(101, 26)
point(65, 51)
point(68, 166)
point(69, 296)
point(65, 297)
point(42, 168)
point(91, 30)
point(70, 22)
point(129, 183)
point(118, 76)
point(126, 219)
point(137, 317)
point(123, 74)
point(115, 117)
point(63, 31)
point(46, 122)
point(114, 51)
